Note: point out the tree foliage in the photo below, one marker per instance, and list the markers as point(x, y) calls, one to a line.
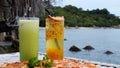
point(78, 17)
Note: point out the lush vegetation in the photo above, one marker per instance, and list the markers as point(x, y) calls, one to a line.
point(78, 17)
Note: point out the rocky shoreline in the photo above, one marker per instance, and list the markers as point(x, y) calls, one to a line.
point(67, 27)
point(114, 27)
point(74, 48)
point(13, 46)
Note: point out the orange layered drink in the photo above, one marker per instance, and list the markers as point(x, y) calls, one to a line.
point(55, 37)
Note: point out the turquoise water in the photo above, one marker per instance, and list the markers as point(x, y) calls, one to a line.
point(101, 39)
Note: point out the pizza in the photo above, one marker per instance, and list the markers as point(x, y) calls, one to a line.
point(67, 63)
point(46, 62)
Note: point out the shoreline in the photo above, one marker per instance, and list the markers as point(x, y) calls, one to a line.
point(87, 27)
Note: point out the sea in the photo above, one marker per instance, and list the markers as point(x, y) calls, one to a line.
point(102, 39)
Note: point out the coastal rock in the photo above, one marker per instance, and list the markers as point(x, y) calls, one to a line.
point(74, 48)
point(65, 39)
point(88, 47)
point(108, 52)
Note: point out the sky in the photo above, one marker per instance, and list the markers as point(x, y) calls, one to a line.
point(113, 6)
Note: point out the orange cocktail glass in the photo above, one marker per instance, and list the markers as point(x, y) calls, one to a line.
point(55, 37)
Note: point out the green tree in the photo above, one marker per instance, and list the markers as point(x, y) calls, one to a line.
point(78, 17)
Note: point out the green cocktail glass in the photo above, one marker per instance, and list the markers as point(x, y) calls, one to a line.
point(28, 37)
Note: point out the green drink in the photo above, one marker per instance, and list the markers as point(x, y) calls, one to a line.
point(28, 37)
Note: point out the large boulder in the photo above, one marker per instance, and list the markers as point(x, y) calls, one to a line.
point(74, 48)
point(88, 47)
point(108, 52)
